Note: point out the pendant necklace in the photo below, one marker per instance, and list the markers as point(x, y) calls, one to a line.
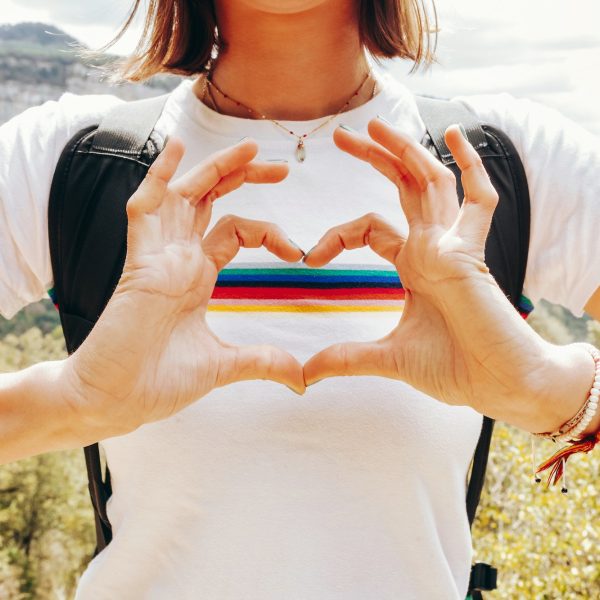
point(300, 152)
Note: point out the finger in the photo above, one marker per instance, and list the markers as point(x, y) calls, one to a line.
point(370, 230)
point(254, 172)
point(352, 358)
point(244, 363)
point(386, 163)
point(435, 182)
point(152, 191)
point(231, 233)
point(198, 182)
point(481, 198)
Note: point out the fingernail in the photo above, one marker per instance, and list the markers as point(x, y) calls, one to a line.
point(277, 160)
point(306, 255)
point(346, 128)
point(293, 243)
point(463, 131)
point(293, 390)
point(382, 118)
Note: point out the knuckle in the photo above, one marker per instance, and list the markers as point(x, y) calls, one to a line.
point(228, 220)
point(217, 166)
point(492, 196)
point(478, 162)
point(374, 218)
point(448, 177)
point(132, 205)
point(332, 232)
point(440, 177)
point(151, 173)
point(343, 357)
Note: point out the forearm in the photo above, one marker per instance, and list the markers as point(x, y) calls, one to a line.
point(545, 384)
point(40, 412)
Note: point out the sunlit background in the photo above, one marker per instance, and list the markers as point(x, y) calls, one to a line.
point(546, 545)
point(545, 50)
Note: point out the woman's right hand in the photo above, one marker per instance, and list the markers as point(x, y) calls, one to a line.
point(151, 353)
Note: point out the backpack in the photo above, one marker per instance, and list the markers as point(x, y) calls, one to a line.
point(101, 167)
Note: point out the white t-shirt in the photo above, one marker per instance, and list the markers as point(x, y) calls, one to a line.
point(357, 489)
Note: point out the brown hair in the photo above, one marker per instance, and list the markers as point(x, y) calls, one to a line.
point(179, 36)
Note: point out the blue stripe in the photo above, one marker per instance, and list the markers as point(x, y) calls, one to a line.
point(309, 278)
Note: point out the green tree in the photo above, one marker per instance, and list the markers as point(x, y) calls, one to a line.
point(46, 522)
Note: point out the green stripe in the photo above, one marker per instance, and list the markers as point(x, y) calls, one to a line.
point(525, 302)
point(314, 272)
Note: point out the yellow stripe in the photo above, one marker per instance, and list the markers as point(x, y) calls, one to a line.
point(308, 308)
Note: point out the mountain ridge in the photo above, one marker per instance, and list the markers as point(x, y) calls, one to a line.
point(39, 62)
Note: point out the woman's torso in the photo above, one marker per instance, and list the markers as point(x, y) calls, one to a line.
point(356, 489)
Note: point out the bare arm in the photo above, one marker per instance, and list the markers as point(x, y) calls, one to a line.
point(459, 339)
point(37, 412)
point(151, 353)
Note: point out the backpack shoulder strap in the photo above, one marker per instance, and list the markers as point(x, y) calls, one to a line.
point(98, 170)
point(438, 115)
point(127, 127)
point(505, 253)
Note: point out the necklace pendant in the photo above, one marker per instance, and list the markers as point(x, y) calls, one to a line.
point(300, 152)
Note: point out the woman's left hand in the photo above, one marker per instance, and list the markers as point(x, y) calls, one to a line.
point(459, 339)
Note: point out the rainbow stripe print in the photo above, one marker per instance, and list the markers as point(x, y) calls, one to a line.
point(269, 287)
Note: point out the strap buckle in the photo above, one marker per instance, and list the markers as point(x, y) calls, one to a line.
point(483, 577)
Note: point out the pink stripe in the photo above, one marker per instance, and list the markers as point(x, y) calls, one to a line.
point(304, 302)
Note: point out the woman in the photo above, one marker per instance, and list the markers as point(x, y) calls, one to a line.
point(357, 489)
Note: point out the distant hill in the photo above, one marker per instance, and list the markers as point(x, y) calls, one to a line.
point(36, 34)
point(39, 62)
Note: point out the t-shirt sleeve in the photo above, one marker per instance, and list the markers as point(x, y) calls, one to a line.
point(30, 145)
point(562, 163)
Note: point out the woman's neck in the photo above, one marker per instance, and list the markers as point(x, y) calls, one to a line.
point(294, 66)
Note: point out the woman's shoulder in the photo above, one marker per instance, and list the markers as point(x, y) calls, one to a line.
point(532, 124)
point(54, 122)
point(30, 146)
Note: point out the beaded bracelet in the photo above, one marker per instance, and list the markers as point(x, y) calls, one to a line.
point(571, 430)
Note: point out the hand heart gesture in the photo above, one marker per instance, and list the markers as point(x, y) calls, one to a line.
point(169, 274)
point(459, 338)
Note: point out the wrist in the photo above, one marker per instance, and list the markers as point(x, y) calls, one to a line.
point(36, 415)
point(90, 409)
point(569, 372)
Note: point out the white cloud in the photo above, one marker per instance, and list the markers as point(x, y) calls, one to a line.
point(545, 50)
point(94, 22)
point(100, 12)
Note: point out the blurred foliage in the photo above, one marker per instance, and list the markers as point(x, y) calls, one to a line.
point(46, 521)
point(41, 315)
point(545, 544)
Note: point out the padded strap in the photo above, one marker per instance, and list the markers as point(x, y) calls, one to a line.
point(125, 128)
point(478, 468)
point(439, 114)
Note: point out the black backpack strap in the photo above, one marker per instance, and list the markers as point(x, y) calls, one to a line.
point(126, 128)
point(98, 170)
point(438, 115)
point(506, 250)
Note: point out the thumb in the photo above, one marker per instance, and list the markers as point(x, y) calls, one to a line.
point(243, 363)
point(351, 358)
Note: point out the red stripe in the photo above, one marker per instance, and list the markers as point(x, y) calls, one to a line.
point(266, 293)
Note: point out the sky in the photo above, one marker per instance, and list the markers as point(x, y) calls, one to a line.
point(545, 50)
